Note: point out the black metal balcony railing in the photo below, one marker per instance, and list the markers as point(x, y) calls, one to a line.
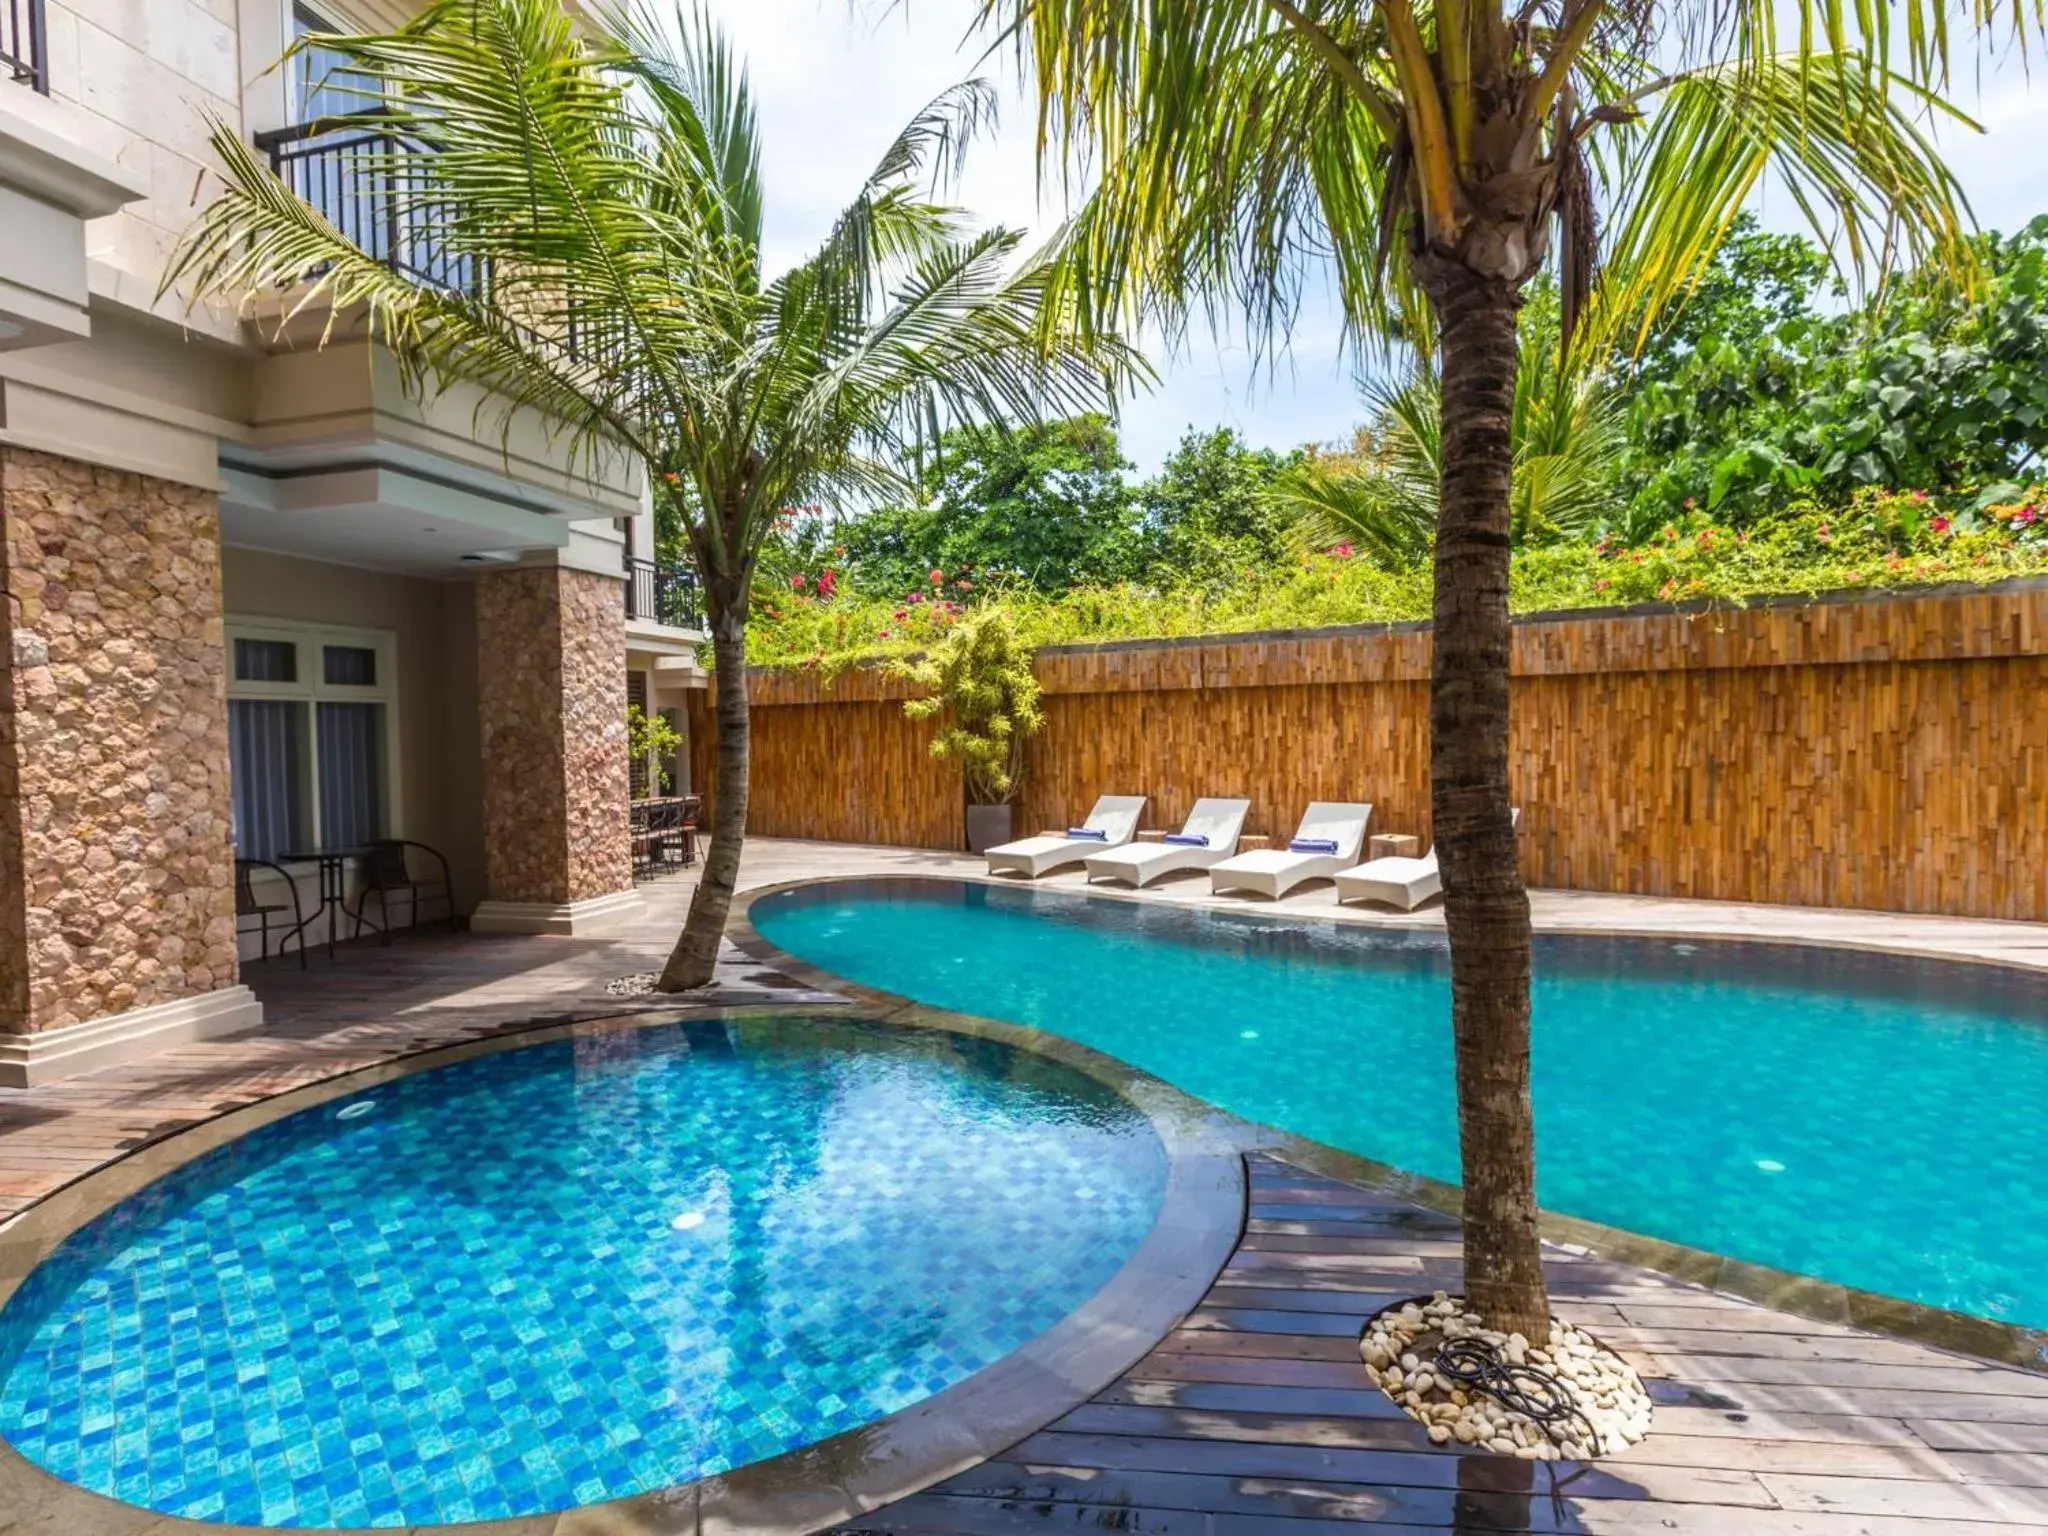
point(667, 594)
point(25, 43)
point(355, 173)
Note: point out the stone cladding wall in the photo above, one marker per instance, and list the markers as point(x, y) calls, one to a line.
point(116, 842)
point(551, 689)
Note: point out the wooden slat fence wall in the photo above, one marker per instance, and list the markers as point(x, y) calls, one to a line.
point(1886, 753)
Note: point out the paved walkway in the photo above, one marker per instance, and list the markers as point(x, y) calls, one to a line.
point(1254, 1416)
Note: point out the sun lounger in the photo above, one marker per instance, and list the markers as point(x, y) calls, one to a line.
point(1327, 842)
point(1397, 882)
point(1209, 837)
point(1112, 823)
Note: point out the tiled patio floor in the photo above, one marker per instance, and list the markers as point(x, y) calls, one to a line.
point(1254, 1415)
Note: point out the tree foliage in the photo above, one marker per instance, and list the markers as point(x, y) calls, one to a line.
point(1765, 387)
point(1046, 504)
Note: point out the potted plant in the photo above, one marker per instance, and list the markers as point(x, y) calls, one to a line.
point(651, 741)
point(980, 684)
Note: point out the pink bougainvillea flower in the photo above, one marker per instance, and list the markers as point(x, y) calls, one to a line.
point(2026, 514)
point(828, 583)
point(1940, 524)
point(902, 613)
point(883, 636)
point(1342, 551)
point(796, 582)
point(917, 597)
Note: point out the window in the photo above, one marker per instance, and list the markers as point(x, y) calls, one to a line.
point(309, 737)
point(321, 86)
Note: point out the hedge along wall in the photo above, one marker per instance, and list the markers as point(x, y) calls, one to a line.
point(1882, 752)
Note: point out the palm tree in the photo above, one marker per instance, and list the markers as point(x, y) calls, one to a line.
point(602, 174)
point(1423, 154)
point(1567, 435)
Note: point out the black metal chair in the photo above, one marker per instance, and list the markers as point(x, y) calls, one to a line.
point(386, 871)
point(247, 904)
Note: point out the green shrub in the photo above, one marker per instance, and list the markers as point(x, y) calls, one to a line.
point(984, 691)
point(1877, 539)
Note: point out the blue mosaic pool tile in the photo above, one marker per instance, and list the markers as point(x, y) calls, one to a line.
point(573, 1273)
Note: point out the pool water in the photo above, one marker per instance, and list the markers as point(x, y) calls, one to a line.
point(1878, 1122)
point(574, 1272)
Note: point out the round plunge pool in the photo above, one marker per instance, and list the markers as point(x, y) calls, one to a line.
point(573, 1272)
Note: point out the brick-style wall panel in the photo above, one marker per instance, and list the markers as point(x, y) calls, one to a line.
point(1886, 752)
point(551, 689)
point(116, 841)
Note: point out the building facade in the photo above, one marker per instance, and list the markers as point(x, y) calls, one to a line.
point(260, 600)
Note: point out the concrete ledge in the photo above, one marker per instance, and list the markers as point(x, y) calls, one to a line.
point(26, 1060)
point(568, 920)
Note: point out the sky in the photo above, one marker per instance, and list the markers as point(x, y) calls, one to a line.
point(836, 79)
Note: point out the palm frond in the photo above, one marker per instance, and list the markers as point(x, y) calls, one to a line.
point(1851, 153)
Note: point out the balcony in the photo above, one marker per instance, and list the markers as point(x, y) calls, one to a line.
point(356, 173)
point(658, 592)
point(25, 43)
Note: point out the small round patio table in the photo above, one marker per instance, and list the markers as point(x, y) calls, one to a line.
point(333, 863)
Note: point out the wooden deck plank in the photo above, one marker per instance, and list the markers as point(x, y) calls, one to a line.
point(1869, 1349)
point(1479, 1501)
point(1885, 1402)
point(1960, 1435)
point(2012, 1469)
point(1260, 1346)
point(1428, 1468)
point(2026, 1507)
point(940, 1514)
point(1950, 1375)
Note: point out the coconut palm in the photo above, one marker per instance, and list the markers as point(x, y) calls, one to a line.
point(601, 175)
point(1423, 153)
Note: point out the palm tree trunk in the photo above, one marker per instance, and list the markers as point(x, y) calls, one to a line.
point(694, 959)
point(1485, 905)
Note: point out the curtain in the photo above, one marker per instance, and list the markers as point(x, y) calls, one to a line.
point(264, 747)
point(351, 774)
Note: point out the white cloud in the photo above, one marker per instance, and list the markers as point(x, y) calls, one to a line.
point(835, 81)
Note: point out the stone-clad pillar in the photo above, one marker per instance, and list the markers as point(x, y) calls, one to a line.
point(551, 690)
point(117, 897)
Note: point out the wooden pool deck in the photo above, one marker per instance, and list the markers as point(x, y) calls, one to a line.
point(1254, 1415)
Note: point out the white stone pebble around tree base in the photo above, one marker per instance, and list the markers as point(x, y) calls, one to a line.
point(1399, 1348)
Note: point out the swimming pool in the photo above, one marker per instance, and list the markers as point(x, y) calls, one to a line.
point(1875, 1121)
point(573, 1272)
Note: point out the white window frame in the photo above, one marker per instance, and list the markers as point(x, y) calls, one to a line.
point(312, 689)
